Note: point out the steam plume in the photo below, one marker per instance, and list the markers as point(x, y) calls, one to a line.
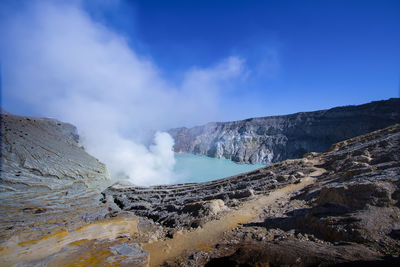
point(61, 63)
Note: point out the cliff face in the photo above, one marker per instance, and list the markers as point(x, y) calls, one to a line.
point(276, 138)
point(50, 200)
point(44, 172)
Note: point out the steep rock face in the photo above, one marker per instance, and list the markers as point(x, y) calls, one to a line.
point(45, 174)
point(50, 191)
point(273, 139)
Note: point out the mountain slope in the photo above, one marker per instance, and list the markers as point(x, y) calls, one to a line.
point(273, 139)
point(45, 172)
point(50, 191)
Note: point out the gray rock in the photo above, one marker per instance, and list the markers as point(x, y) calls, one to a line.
point(46, 176)
point(277, 138)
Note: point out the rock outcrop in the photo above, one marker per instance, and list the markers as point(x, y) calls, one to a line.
point(277, 138)
point(44, 171)
point(190, 205)
point(50, 200)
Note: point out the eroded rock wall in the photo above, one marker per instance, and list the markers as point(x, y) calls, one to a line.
point(45, 175)
point(273, 139)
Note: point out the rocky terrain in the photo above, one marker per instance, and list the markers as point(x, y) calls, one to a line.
point(277, 138)
point(332, 208)
point(50, 194)
point(44, 173)
point(338, 207)
point(350, 214)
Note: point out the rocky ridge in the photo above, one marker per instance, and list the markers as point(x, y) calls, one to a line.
point(272, 139)
point(182, 206)
point(50, 199)
point(44, 172)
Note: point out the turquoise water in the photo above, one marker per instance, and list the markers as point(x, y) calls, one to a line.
point(193, 168)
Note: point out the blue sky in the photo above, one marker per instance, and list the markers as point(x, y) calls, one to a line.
point(297, 55)
point(303, 55)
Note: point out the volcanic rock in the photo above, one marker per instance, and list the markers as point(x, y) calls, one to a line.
point(272, 139)
point(332, 208)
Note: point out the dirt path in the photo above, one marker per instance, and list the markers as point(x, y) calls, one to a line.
point(206, 237)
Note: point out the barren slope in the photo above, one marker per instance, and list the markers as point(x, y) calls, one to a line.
point(277, 138)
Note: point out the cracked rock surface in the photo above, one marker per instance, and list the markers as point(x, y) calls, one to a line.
point(190, 205)
point(45, 175)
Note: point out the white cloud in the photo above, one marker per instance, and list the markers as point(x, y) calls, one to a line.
point(59, 61)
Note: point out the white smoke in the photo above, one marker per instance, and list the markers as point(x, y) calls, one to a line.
point(59, 62)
